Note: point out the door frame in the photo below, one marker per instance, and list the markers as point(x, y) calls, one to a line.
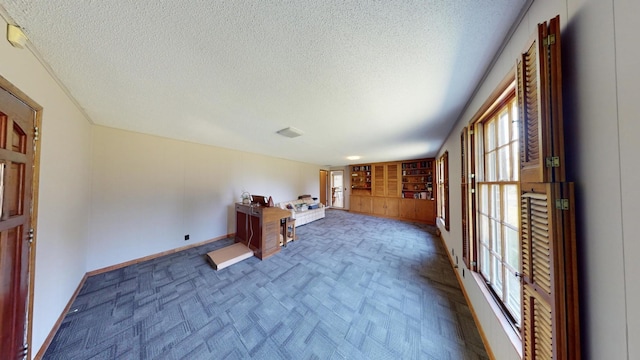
point(13, 90)
point(342, 187)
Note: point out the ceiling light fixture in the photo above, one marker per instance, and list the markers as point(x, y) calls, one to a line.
point(353, 157)
point(290, 132)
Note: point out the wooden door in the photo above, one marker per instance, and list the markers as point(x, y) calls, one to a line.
point(17, 127)
point(324, 175)
point(424, 211)
point(366, 205)
point(379, 206)
point(386, 180)
point(393, 184)
point(393, 207)
point(386, 206)
point(379, 180)
point(355, 203)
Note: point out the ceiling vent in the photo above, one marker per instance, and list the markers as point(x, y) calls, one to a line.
point(290, 132)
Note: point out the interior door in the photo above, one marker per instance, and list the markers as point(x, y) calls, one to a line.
point(324, 175)
point(17, 124)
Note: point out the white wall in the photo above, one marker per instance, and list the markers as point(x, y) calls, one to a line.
point(592, 119)
point(148, 192)
point(140, 194)
point(600, 77)
point(628, 79)
point(64, 187)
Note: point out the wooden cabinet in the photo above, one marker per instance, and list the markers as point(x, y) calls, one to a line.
point(260, 228)
point(361, 204)
point(386, 206)
point(402, 189)
point(426, 211)
point(408, 208)
point(419, 210)
point(386, 179)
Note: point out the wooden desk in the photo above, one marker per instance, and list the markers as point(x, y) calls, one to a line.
point(260, 227)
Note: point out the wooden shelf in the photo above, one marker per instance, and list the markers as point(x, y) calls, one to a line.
point(417, 179)
point(361, 179)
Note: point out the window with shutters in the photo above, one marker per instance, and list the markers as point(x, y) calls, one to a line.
point(518, 210)
point(442, 177)
point(497, 212)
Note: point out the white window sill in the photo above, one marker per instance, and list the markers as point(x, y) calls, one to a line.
point(509, 329)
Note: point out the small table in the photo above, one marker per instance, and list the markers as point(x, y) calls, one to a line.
point(289, 231)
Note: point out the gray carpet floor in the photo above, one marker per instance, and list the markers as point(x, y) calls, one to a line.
point(352, 287)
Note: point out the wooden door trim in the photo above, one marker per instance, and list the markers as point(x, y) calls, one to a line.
point(13, 90)
point(326, 186)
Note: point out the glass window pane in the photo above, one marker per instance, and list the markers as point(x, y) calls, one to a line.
point(515, 160)
point(495, 201)
point(503, 128)
point(490, 136)
point(483, 234)
point(512, 248)
point(513, 296)
point(504, 164)
point(496, 237)
point(484, 198)
point(496, 272)
point(510, 204)
point(515, 124)
point(490, 166)
point(484, 264)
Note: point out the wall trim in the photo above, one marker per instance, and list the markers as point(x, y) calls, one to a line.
point(56, 326)
point(485, 341)
point(154, 256)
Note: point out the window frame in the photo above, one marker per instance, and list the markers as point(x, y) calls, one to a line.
point(472, 137)
point(493, 225)
point(442, 178)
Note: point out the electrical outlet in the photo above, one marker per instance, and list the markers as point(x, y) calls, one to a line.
point(463, 273)
point(186, 237)
point(452, 253)
point(456, 260)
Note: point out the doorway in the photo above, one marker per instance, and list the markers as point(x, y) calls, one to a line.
point(19, 117)
point(337, 187)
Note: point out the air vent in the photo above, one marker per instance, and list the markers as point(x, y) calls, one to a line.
point(290, 132)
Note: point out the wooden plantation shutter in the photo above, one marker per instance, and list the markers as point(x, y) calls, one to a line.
point(394, 185)
point(378, 180)
point(539, 94)
point(444, 173)
point(550, 326)
point(466, 198)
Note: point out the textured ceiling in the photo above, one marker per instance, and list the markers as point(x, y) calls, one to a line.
point(381, 79)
